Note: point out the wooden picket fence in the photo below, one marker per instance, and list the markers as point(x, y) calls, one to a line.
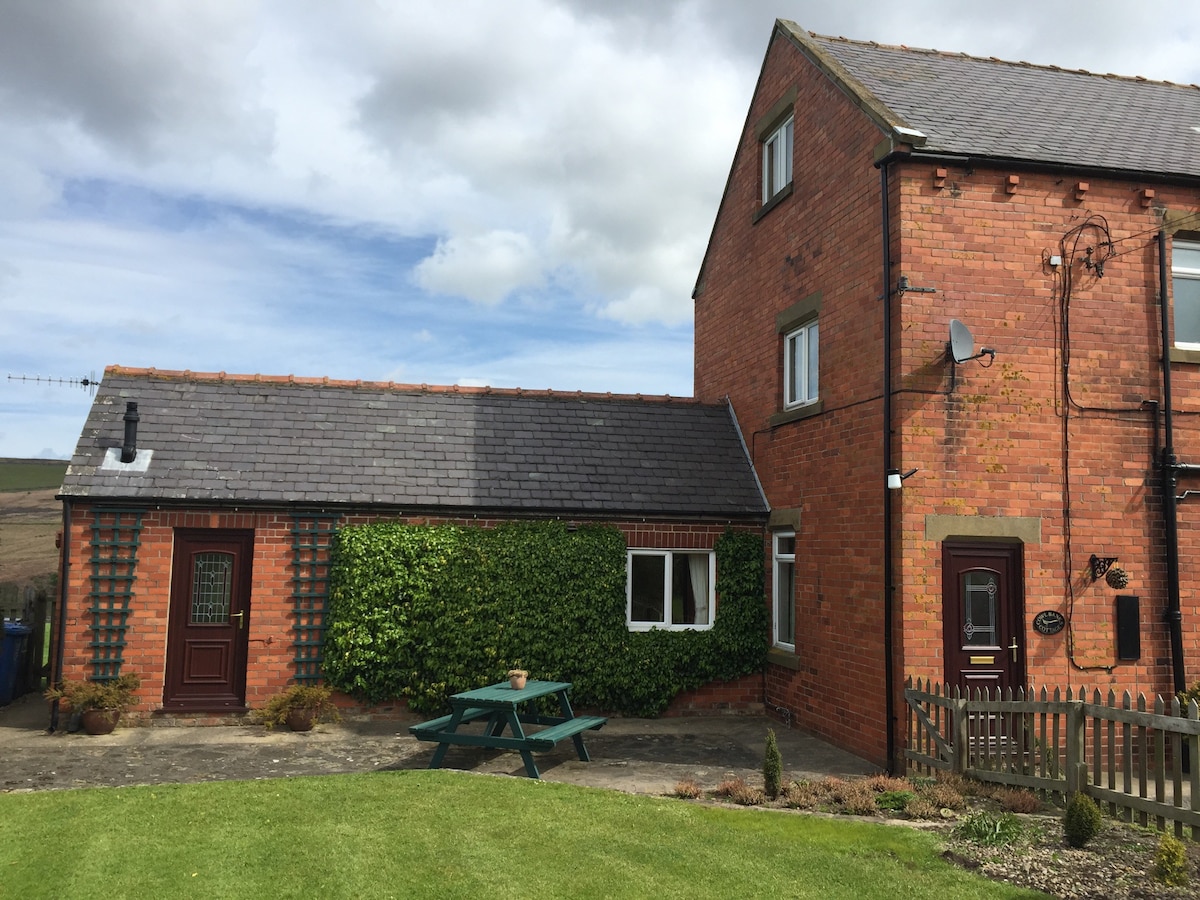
point(1137, 763)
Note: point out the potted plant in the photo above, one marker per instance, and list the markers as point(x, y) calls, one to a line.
point(99, 703)
point(516, 678)
point(300, 707)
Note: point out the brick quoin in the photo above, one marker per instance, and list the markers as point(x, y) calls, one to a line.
point(993, 449)
point(270, 664)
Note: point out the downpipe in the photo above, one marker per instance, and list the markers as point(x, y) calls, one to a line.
point(1169, 469)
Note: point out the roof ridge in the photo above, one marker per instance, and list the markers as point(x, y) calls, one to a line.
point(326, 381)
point(1135, 79)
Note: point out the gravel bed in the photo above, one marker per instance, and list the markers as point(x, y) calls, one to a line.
point(1114, 865)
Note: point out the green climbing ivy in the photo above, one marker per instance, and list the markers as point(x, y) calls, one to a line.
point(422, 612)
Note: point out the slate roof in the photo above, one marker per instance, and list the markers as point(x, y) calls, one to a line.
point(979, 107)
point(253, 440)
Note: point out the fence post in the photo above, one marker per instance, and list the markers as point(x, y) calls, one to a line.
point(1076, 748)
point(959, 739)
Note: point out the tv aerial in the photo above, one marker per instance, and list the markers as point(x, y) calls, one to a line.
point(961, 348)
point(88, 382)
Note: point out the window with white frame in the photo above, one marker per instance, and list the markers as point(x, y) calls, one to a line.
point(1185, 287)
point(670, 589)
point(777, 160)
point(800, 366)
point(783, 578)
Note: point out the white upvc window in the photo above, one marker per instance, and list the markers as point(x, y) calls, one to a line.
point(1185, 287)
point(783, 589)
point(777, 160)
point(670, 589)
point(801, 359)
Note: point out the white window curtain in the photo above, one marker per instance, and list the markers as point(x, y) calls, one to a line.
point(698, 566)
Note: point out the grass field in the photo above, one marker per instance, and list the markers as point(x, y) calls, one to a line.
point(449, 834)
point(31, 474)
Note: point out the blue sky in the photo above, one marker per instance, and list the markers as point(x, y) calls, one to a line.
point(516, 194)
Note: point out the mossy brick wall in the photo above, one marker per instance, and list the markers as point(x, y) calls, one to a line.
point(270, 665)
point(993, 449)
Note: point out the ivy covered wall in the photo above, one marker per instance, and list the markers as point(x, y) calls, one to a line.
point(422, 612)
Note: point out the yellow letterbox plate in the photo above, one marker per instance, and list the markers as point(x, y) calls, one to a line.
point(983, 660)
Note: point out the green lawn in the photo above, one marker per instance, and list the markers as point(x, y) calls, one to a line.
point(31, 475)
point(447, 834)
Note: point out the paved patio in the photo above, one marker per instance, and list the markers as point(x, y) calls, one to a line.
point(635, 755)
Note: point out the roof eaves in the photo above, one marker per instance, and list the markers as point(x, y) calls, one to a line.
point(1036, 165)
point(885, 118)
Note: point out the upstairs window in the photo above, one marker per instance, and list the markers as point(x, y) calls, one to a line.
point(1185, 287)
point(777, 160)
point(800, 366)
point(670, 589)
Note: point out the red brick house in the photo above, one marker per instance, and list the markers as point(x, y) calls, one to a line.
point(182, 480)
point(1045, 509)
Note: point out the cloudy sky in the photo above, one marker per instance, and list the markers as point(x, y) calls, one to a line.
point(511, 193)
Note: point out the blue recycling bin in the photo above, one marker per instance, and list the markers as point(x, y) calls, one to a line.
point(13, 651)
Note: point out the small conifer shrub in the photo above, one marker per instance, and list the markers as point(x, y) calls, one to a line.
point(1170, 862)
point(1082, 820)
point(772, 767)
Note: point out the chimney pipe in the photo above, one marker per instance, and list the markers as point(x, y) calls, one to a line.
point(129, 449)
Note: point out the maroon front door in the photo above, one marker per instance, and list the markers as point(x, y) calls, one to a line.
point(208, 623)
point(983, 615)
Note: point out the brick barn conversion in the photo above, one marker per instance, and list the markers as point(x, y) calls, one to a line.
point(954, 306)
point(255, 473)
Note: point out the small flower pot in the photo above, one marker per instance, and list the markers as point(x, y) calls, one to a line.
point(301, 719)
point(99, 721)
point(517, 682)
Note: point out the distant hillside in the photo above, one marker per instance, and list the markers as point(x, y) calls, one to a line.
point(31, 474)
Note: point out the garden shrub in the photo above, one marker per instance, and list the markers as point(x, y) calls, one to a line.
point(736, 790)
point(422, 612)
point(858, 799)
point(943, 795)
point(772, 766)
point(990, 830)
point(1170, 862)
point(894, 801)
point(920, 808)
point(1018, 801)
point(688, 789)
point(1082, 820)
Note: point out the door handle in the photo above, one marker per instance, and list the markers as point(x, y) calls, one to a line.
point(1012, 647)
point(241, 617)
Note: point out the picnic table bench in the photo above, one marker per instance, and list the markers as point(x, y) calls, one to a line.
point(502, 706)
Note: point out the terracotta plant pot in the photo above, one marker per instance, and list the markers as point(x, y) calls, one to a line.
point(99, 721)
point(301, 719)
point(517, 681)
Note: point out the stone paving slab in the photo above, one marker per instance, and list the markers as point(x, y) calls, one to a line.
point(647, 756)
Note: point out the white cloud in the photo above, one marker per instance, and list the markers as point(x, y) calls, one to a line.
point(514, 193)
point(484, 268)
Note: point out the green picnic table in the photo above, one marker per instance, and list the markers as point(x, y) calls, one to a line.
point(501, 706)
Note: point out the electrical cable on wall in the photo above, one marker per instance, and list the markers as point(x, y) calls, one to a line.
point(1095, 256)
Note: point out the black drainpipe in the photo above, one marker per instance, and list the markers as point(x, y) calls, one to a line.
point(64, 578)
point(1169, 472)
point(889, 587)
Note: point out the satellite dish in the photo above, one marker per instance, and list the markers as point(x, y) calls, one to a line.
point(962, 345)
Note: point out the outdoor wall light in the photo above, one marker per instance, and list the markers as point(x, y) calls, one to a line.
point(1100, 565)
point(895, 478)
